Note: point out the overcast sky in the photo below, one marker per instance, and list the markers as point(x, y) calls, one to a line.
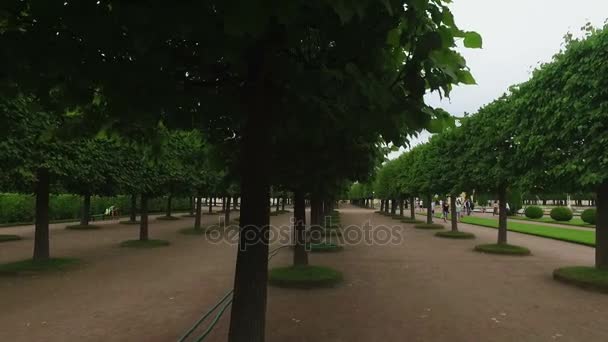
point(517, 35)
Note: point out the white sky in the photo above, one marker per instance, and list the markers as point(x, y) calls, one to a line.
point(517, 35)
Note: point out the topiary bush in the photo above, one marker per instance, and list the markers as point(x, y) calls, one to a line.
point(561, 214)
point(534, 212)
point(589, 216)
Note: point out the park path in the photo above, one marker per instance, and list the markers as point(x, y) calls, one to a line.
point(421, 289)
point(118, 294)
point(432, 289)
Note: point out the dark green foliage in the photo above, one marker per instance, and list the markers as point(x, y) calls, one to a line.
point(455, 235)
point(534, 212)
point(18, 208)
point(561, 214)
point(589, 278)
point(6, 238)
point(32, 266)
point(304, 277)
point(168, 218)
point(144, 243)
point(502, 249)
point(589, 215)
point(82, 227)
point(127, 222)
point(429, 226)
point(325, 247)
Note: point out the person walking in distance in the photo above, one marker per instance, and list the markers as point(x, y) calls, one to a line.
point(445, 206)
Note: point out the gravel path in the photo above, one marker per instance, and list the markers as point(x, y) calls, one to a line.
point(422, 289)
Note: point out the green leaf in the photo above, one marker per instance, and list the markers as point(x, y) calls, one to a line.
point(393, 37)
point(465, 77)
point(472, 40)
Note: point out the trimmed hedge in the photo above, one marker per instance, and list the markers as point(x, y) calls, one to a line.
point(304, 277)
point(561, 214)
point(20, 208)
point(589, 216)
point(534, 212)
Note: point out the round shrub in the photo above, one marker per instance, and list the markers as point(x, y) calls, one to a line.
point(304, 277)
point(561, 214)
point(534, 212)
point(589, 216)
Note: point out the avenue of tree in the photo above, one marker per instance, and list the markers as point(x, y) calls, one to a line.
point(225, 98)
point(547, 135)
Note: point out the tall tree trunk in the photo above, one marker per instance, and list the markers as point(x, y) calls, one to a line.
point(169, 200)
point(191, 205)
point(502, 215)
point(227, 212)
point(401, 207)
point(143, 220)
point(283, 203)
point(393, 206)
point(235, 202)
point(300, 256)
point(381, 205)
point(199, 211)
point(278, 205)
point(453, 213)
point(316, 218)
point(248, 313)
point(412, 208)
point(429, 209)
point(41, 235)
point(210, 205)
point(601, 228)
point(133, 216)
point(85, 216)
point(224, 204)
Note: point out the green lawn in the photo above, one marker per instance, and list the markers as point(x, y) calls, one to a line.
point(578, 236)
point(564, 234)
point(576, 221)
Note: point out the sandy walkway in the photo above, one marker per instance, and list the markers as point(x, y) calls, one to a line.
point(423, 289)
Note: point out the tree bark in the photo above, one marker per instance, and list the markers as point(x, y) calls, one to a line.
point(601, 228)
point(143, 221)
point(199, 211)
point(223, 204)
point(278, 205)
point(401, 207)
point(41, 234)
point(283, 204)
point(429, 209)
point(502, 215)
point(133, 216)
point(393, 206)
point(235, 202)
point(191, 205)
point(412, 208)
point(169, 203)
point(85, 216)
point(300, 256)
point(454, 219)
point(227, 212)
point(381, 205)
point(210, 205)
point(248, 313)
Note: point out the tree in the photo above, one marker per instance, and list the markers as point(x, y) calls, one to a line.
point(562, 126)
point(232, 65)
